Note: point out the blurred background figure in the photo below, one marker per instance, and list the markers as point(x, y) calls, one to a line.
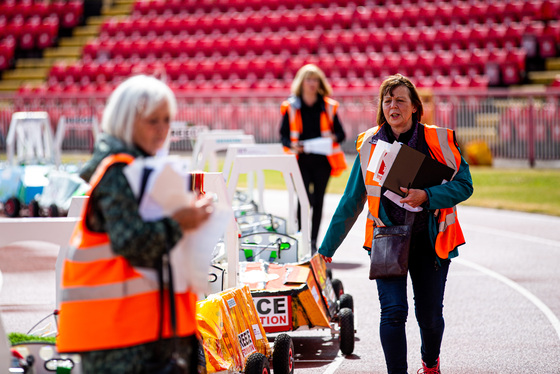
point(309, 114)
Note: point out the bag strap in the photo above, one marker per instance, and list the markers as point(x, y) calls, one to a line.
point(409, 217)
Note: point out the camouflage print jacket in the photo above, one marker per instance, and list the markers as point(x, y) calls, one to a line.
point(114, 210)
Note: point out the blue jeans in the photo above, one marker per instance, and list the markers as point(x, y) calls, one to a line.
point(428, 283)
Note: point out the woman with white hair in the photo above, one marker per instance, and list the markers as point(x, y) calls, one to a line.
point(111, 309)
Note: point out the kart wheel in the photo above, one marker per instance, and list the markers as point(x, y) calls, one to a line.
point(346, 325)
point(34, 209)
point(283, 355)
point(346, 301)
point(257, 363)
point(53, 210)
point(12, 207)
point(337, 287)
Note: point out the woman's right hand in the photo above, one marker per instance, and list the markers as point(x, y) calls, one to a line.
point(192, 216)
point(298, 149)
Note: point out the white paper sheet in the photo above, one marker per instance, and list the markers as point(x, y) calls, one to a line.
point(319, 146)
point(387, 160)
point(165, 192)
point(380, 148)
point(397, 198)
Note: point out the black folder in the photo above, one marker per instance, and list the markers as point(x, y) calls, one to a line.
point(415, 169)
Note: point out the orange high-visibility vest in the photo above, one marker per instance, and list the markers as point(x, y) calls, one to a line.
point(441, 143)
point(336, 159)
point(106, 302)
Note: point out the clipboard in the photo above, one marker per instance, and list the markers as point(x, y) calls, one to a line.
point(415, 169)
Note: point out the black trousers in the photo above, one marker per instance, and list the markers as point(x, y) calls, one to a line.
point(315, 171)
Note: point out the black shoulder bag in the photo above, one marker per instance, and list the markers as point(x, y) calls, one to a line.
point(390, 249)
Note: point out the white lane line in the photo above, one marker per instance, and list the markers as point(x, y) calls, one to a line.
point(513, 235)
point(331, 369)
point(522, 290)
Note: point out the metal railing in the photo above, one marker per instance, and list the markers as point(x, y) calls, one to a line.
point(515, 125)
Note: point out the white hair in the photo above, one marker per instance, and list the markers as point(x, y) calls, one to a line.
point(137, 96)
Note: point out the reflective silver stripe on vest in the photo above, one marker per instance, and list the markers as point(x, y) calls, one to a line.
point(446, 149)
point(365, 150)
point(448, 221)
point(374, 191)
point(376, 220)
point(118, 290)
point(102, 252)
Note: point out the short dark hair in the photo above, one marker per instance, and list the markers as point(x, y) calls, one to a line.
point(388, 86)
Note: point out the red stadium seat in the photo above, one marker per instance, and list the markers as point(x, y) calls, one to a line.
point(15, 28)
point(426, 40)
point(459, 38)
point(424, 82)
point(425, 63)
point(513, 35)
point(442, 63)
point(495, 37)
point(442, 38)
point(47, 33)
point(411, 15)
point(444, 14)
point(72, 13)
point(478, 36)
point(477, 12)
point(548, 42)
point(379, 17)
point(29, 33)
point(429, 14)
point(513, 11)
point(495, 12)
point(410, 37)
point(479, 81)
point(460, 81)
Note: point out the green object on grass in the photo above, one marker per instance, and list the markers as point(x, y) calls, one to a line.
point(19, 338)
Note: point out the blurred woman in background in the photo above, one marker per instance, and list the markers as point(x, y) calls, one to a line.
point(309, 114)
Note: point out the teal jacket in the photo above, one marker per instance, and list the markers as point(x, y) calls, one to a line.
point(354, 199)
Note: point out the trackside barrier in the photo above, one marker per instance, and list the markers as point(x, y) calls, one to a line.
point(521, 124)
point(209, 143)
point(288, 166)
point(251, 149)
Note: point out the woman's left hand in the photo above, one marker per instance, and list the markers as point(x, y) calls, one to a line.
point(414, 197)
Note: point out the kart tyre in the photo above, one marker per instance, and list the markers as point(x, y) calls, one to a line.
point(337, 287)
point(34, 209)
point(53, 211)
point(346, 301)
point(283, 356)
point(12, 207)
point(346, 325)
point(329, 274)
point(257, 363)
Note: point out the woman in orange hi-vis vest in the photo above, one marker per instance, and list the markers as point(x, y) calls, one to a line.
point(110, 304)
point(436, 232)
point(310, 114)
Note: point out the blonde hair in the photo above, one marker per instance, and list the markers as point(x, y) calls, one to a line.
point(311, 70)
point(387, 88)
point(137, 96)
